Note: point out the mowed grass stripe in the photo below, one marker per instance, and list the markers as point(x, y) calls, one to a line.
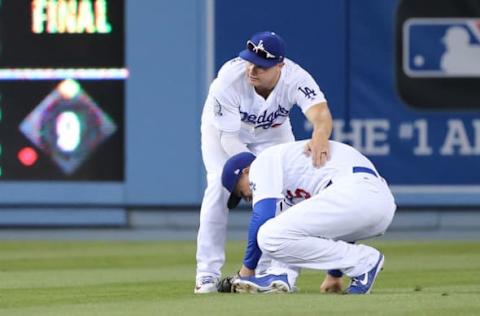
point(156, 278)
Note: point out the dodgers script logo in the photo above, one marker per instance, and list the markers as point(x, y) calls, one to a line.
point(441, 47)
point(264, 120)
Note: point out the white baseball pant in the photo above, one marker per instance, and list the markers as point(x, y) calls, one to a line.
point(212, 231)
point(315, 233)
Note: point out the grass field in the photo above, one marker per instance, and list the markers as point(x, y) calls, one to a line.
point(156, 278)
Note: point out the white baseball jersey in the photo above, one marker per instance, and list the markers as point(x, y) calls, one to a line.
point(285, 172)
point(233, 105)
point(343, 201)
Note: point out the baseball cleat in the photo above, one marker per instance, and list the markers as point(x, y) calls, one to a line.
point(363, 283)
point(268, 283)
point(205, 285)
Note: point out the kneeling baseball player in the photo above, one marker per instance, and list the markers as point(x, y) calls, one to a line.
point(329, 208)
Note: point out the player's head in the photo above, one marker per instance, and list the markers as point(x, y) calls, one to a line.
point(235, 178)
point(264, 57)
point(264, 49)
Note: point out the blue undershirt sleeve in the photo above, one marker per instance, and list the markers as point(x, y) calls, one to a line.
point(263, 210)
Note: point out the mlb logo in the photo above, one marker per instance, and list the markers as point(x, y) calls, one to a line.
point(441, 47)
point(437, 54)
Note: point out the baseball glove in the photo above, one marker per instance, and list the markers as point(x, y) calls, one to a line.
point(226, 284)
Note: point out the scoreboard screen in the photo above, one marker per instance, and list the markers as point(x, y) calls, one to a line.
point(62, 78)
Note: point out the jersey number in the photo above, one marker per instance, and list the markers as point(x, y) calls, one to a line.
point(298, 194)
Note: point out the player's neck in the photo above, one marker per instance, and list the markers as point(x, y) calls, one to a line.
point(265, 91)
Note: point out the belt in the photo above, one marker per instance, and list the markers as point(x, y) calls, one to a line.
point(364, 170)
point(358, 169)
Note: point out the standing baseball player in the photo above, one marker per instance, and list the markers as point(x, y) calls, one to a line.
point(331, 207)
point(247, 110)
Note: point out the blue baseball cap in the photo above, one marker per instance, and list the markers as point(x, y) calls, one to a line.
point(264, 49)
point(232, 170)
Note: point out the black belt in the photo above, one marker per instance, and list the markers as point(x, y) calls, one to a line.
point(358, 169)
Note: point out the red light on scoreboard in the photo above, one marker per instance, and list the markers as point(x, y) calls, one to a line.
point(27, 156)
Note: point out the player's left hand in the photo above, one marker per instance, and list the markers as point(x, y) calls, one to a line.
point(318, 148)
point(331, 285)
point(246, 272)
point(226, 284)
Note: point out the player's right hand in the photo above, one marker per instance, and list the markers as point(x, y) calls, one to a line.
point(318, 148)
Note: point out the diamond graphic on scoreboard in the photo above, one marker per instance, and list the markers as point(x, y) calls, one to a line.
point(67, 125)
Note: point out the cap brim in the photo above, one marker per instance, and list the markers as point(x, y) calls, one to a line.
point(233, 201)
point(257, 60)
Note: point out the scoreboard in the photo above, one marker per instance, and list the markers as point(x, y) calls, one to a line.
point(62, 80)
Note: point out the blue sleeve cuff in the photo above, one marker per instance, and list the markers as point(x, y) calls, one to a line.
point(335, 273)
point(262, 211)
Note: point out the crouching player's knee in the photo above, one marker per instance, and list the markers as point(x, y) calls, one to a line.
point(268, 239)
